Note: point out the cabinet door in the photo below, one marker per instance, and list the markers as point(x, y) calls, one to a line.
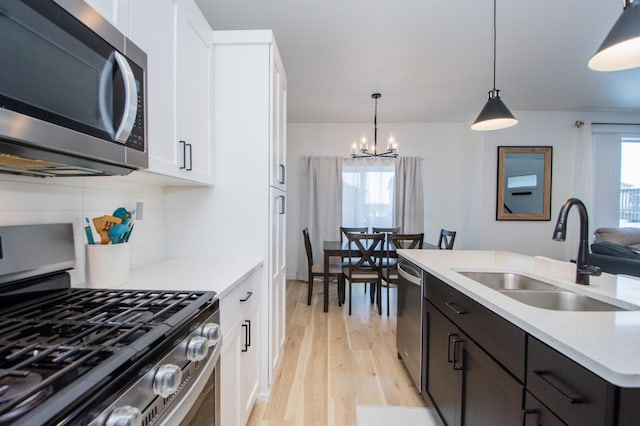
point(278, 147)
point(444, 382)
point(249, 359)
point(491, 395)
point(277, 275)
point(536, 414)
point(155, 32)
point(193, 92)
point(114, 11)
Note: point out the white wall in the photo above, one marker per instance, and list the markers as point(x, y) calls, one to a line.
point(26, 200)
point(460, 177)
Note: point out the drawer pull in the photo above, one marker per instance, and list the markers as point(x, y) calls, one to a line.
point(455, 356)
point(249, 294)
point(449, 358)
point(562, 388)
point(455, 308)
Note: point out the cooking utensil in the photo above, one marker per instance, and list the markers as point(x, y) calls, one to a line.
point(102, 224)
point(117, 233)
point(87, 230)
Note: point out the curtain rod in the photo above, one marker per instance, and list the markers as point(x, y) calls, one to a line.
point(579, 124)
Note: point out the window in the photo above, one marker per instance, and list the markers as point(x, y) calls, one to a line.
point(630, 182)
point(367, 193)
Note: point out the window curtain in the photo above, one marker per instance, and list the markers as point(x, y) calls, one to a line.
point(321, 205)
point(409, 195)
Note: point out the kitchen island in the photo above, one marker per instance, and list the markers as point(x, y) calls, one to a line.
point(464, 321)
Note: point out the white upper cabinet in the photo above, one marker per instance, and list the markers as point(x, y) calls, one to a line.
point(114, 11)
point(278, 151)
point(177, 40)
point(193, 91)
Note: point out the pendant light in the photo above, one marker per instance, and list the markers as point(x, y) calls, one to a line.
point(495, 114)
point(363, 151)
point(620, 50)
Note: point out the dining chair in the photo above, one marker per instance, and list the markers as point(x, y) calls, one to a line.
point(345, 231)
point(446, 239)
point(398, 241)
point(364, 264)
point(386, 232)
point(317, 270)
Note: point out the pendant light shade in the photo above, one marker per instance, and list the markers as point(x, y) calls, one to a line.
point(620, 50)
point(495, 114)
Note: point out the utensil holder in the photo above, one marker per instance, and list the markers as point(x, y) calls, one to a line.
point(107, 265)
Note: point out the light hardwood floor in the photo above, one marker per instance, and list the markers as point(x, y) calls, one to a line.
point(333, 362)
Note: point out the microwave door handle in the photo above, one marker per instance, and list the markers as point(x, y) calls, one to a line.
point(130, 100)
point(103, 89)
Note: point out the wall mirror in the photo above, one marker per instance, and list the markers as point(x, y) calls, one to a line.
point(524, 183)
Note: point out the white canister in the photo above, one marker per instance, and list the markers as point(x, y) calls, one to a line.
point(107, 265)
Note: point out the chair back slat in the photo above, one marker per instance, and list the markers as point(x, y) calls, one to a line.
point(345, 231)
point(402, 241)
point(446, 240)
point(307, 246)
point(362, 252)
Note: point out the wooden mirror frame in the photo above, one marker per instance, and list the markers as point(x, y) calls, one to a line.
point(545, 214)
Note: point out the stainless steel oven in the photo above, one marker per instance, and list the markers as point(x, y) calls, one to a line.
point(72, 91)
point(100, 357)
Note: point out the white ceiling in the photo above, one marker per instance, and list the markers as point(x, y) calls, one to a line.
point(432, 59)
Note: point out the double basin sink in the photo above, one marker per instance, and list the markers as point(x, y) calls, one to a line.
point(538, 293)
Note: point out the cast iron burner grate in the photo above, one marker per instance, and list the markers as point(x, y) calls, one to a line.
point(46, 344)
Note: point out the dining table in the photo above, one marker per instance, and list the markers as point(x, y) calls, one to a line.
point(341, 249)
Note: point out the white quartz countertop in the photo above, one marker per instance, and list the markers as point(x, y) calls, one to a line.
point(219, 275)
point(607, 343)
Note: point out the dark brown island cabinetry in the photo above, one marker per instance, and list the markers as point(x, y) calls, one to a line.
point(480, 369)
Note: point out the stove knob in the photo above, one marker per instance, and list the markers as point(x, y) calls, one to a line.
point(125, 416)
point(211, 332)
point(197, 349)
point(167, 380)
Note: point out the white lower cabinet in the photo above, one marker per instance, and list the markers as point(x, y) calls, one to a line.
point(239, 316)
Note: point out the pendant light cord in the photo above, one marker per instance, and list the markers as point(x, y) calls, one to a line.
point(375, 127)
point(494, 44)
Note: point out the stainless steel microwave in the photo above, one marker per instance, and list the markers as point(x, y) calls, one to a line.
point(72, 92)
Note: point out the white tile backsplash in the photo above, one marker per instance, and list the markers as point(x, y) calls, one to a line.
point(25, 200)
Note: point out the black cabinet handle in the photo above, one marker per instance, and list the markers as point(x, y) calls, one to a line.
point(184, 155)
point(527, 415)
point(190, 157)
point(249, 294)
point(564, 390)
point(247, 335)
point(455, 308)
point(282, 204)
point(455, 356)
point(449, 336)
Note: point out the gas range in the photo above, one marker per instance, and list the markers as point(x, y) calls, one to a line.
point(97, 356)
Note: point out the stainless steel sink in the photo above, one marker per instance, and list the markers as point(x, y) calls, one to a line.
point(560, 300)
point(538, 293)
point(507, 281)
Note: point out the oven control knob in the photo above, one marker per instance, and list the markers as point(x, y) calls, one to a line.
point(167, 380)
point(125, 416)
point(197, 348)
point(211, 332)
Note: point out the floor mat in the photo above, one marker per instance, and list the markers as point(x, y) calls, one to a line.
point(386, 415)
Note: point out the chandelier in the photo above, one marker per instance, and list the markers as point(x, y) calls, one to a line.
point(362, 150)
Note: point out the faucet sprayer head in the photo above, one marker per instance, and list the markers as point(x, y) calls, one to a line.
point(560, 233)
